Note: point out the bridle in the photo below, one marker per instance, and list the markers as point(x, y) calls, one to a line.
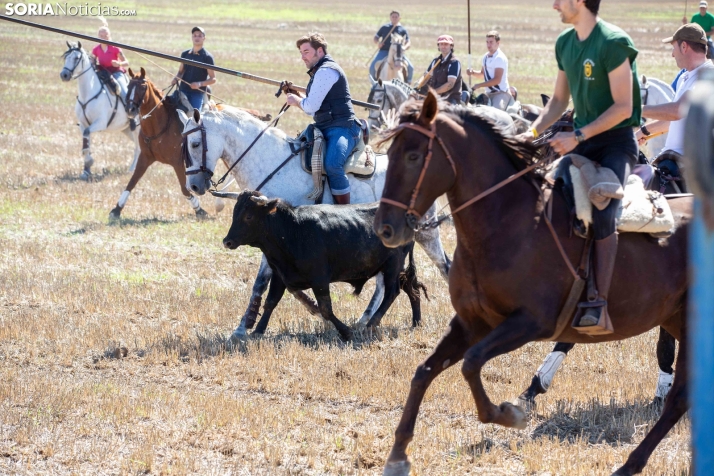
point(187, 156)
point(384, 100)
point(132, 98)
point(80, 58)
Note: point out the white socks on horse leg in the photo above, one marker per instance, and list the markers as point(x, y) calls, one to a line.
point(124, 197)
point(664, 384)
point(194, 202)
point(549, 367)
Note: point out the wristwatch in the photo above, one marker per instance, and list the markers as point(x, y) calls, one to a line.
point(645, 131)
point(579, 136)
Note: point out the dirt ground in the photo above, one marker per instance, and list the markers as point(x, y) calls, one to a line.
point(112, 356)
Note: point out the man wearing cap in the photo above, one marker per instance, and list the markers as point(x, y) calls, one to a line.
point(193, 78)
point(689, 48)
point(383, 39)
point(596, 65)
point(494, 70)
point(445, 72)
point(706, 21)
point(329, 102)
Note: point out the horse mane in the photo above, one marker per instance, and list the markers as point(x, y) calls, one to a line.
point(240, 115)
point(519, 152)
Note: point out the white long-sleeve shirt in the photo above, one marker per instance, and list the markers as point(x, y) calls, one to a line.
point(323, 81)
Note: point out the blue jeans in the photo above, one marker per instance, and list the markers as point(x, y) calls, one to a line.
point(194, 96)
point(339, 143)
point(382, 54)
point(121, 80)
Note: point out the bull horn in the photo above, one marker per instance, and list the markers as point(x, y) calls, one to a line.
point(261, 200)
point(229, 195)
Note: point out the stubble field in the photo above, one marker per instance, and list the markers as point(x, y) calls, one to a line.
point(112, 356)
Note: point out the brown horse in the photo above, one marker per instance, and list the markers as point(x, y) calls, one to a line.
point(159, 139)
point(508, 281)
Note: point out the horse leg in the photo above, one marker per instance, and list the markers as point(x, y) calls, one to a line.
point(544, 375)
point(391, 291)
point(135, 177)
point(447, 352)
point(137, 150)
point(518, 329)
point(87, 154)
point(251, 314)
point(322, 294)
point(665, 359)
point(192, 199)
point(374, 303)
point(430, 241)
point(275, 294)
point(675, 407)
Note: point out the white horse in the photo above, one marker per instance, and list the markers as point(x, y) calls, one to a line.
point(654, 91)
point(394, 66)
point(387, 95)
point(96, 108)
point(228, 133)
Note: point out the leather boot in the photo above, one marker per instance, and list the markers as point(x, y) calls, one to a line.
point(605, 253)
point(342, 199)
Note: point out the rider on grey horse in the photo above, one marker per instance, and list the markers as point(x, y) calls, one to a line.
point(329, 102)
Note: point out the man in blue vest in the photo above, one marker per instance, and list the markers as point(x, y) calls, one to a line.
point(329, 102)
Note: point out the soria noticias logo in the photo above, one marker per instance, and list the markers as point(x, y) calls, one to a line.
point(56, 9)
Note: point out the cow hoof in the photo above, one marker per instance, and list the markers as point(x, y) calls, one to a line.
point(623, 472)
point(115, 214)
point(201, 214)
point(86, 175)
point(513, 416)
point(397, 468)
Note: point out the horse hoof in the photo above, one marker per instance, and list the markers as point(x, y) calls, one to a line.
point(115, 214)
point(527, 404)
point(513, 416)
point(397, 468)
point(201, 214)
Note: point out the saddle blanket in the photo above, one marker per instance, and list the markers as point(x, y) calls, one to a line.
point(642, 211)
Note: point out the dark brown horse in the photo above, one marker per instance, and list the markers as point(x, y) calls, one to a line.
point(508, 281)
point(159, 139)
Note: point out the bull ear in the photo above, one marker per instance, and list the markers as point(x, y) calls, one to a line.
point(197, 116)
point(429, 109)
point(182, 115)
point(261, 200)
point(143, 73)
point(229, 195)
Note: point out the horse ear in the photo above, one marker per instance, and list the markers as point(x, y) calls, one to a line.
point(429, 109)
point(196, 115)
point(68, 45)
point(131, 73)
point(379, 81)
point(143, 73)
point(644, 79)
point(79, 45)
point(545, 98)
point(182, 115)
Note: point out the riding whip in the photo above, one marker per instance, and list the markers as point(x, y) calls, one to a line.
point(220, 69)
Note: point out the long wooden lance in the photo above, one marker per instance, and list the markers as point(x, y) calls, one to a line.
point(468, 27)
point(231, 72)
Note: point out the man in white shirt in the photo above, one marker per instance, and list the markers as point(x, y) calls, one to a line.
point(494, 70)
point(689, 49)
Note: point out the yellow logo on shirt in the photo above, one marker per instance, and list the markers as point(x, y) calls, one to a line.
point(588, 68)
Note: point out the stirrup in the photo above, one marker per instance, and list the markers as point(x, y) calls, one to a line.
point(603, 325)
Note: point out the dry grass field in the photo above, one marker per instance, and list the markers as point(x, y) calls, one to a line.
point(112, 357)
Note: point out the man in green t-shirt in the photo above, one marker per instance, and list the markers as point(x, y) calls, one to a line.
point(596, 65)
point(706, 21)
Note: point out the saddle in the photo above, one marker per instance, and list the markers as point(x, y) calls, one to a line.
point(311, 147)
point(108, 80)
point(641, 210)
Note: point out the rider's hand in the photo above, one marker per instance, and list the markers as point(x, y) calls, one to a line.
point(641, 138)
point(174, 81)
point(195, 85)
point(115, 63)
point(563, 142)
point(471, 71)
point(293, 100)
point(526, 136)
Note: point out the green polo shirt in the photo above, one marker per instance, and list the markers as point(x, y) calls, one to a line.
point(706, 22)
point(586, 65)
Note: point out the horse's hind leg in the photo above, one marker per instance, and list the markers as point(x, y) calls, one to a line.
point(675, 406)
point(374, 303)
point(448, 351)
point(141, 167)
point(518, 329)
point(544, 375)
point(665, 359)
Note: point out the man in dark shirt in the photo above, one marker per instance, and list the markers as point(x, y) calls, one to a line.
point(383, 39)
point(445, 72)
point(194, 79)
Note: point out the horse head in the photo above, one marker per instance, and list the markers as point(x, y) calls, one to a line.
point(376, 96)
point(199, 159)
point(136, 92)
point(395, 59)
point(73, 57)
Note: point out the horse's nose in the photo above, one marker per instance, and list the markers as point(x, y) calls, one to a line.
point(385, 231)
point(194, 188)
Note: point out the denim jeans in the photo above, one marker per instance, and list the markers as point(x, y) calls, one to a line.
point(194, 96)
point(339, 143)
point(382, 55)
point(122, 81)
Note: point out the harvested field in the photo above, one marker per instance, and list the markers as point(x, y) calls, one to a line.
point(112, 356)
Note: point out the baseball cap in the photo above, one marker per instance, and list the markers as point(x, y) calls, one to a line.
point(198, 28)
point(445, 39)
point(703, 3)
point(689, 32)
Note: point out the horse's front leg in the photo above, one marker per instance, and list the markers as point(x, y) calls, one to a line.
point(518, 329)
point(86, 152)
point(448, 351)
point(134, 136)
point(430, 241)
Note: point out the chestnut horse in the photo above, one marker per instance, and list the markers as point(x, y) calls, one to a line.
point(509, 280)
point(160, 138)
